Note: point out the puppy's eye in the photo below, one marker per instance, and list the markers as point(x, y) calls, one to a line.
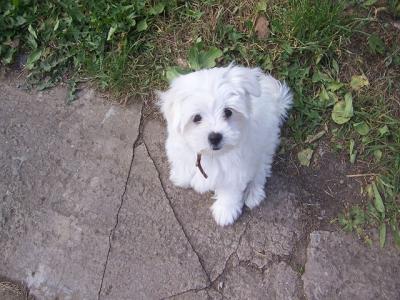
point(197, 118)
point(227, 113)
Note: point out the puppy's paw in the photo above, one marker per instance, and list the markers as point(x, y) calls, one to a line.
point(254, 195)
point(225, 214)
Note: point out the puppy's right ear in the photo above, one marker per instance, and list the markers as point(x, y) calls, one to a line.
point(245, 79)
point(168, 103)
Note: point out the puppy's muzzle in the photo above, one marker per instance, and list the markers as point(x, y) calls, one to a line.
point(215, 139)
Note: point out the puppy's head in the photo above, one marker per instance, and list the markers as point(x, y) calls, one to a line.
point(211, 108)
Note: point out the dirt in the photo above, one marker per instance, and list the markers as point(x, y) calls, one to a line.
point(12, 290)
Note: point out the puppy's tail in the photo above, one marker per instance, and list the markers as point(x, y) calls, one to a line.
point(283, 98)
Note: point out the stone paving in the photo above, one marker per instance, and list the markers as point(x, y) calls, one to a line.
point(87, 212)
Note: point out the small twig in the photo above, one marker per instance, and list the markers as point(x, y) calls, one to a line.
point(378, 10)
point(260, 254)
point(329, 194)
point(198, 165)
point(361, 175)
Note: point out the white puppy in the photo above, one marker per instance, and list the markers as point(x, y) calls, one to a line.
point(230, 117)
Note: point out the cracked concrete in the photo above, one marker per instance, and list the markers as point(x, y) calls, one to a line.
point(87, 212)
point(111, 235)
point(340, 267)
point(58, 209)
point(274, 229)
point(176, 216)
point(279, 281)
point(149, 252)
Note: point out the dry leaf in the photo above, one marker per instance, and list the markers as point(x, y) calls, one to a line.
point(312, 138)
point(305, 156)
point(182, 62)
point(261, 27)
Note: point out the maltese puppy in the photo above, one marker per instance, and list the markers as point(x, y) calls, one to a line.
point(223, 130)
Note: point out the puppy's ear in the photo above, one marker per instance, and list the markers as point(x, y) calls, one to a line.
point(169, 104)
point(245, 79)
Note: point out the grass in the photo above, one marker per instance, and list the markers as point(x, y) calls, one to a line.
point(342, 59)
point(94, 39)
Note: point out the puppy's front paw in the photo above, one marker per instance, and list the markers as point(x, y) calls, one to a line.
point(225, 213)
point(254, 195)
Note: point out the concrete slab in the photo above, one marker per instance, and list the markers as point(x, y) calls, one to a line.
point(341, 267)
point(206, 294)
point(275, 227)
point(62, 173)
point(283, 282)
point(245, 281)
point(150, 256)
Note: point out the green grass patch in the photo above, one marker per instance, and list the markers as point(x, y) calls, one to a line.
point(84, 38)
point(341, 60)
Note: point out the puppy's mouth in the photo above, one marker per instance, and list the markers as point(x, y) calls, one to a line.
point(220, 149)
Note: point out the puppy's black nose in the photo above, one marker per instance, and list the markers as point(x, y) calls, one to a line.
point(214, 138)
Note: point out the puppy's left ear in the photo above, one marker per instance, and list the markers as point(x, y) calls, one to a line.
point(245, 79)
point(168, 103)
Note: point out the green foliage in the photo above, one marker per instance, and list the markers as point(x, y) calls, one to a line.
point(198, 58)
point(309, 36)
point(362, 128)
point(375, 214)
point(353, 219)
point(394, 6)
point(305, 156)
point(358, 82)
point(343, 110)
point(376, 45)
point(315, 26)
point(69, 36)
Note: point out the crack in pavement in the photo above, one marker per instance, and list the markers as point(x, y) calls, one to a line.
point(212, 282)
point(135, 144)
point(185, 292)
point(211, 285)
point(139, 141)
point(234, 252)
point(176, 216)
point(304, 266)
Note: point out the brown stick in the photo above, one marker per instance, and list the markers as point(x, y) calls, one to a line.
point(198, 164)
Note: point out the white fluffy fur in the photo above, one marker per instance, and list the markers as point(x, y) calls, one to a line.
point(237, 172)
